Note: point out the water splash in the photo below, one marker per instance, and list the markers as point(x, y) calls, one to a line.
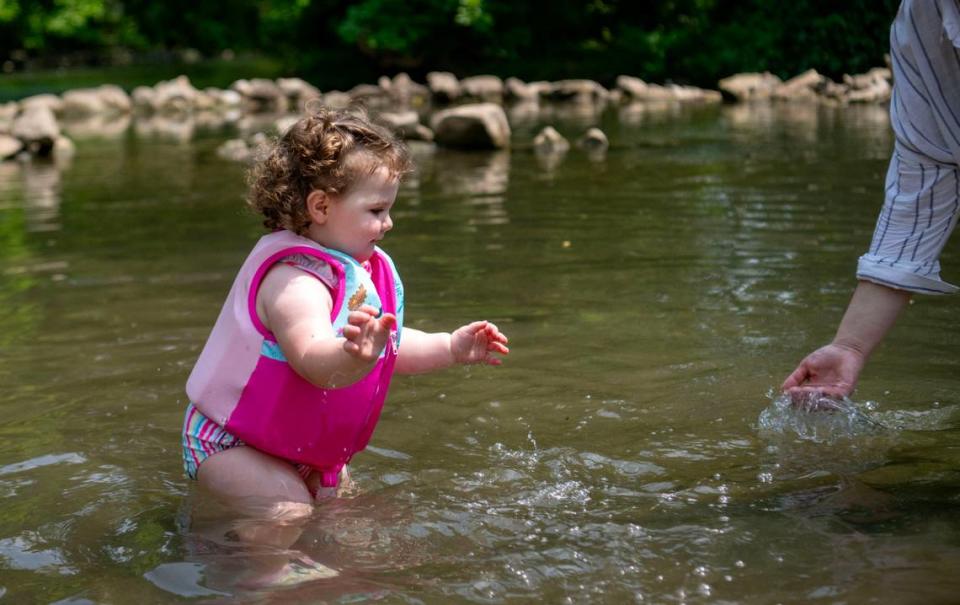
point(820, 419)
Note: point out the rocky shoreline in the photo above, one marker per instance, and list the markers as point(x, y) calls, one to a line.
point(469, 113)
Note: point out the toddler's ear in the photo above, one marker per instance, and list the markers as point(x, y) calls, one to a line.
point(317, 203)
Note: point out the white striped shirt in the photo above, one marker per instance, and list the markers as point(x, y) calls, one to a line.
point(922, 201)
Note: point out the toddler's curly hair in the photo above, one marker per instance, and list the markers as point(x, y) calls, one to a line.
point(325, 150)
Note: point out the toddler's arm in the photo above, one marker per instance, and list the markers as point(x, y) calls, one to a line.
point(296, 308)
point(478, 342)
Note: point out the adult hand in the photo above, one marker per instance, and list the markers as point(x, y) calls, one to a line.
point(366, 334)
point(831, 370)
point(477, 342)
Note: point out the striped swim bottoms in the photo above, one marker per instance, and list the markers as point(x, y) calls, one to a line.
point(202, 438)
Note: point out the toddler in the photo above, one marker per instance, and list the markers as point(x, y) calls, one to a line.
point(292, 379)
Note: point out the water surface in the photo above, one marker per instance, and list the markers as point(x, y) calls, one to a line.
point(653, 299)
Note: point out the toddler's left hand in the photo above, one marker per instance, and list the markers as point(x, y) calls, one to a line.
point(477, 342)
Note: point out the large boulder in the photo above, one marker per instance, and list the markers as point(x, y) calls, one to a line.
point(476, 126)
point(749, 86)
point(37, 128)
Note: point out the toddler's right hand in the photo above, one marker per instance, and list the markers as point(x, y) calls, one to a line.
point(366, 334)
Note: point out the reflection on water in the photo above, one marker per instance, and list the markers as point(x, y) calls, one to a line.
point(625, 453)
point(108, 126)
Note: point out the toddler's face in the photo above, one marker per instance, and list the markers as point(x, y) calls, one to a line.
point(360, 218)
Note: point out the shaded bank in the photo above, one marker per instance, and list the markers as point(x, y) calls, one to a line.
point(335, 43)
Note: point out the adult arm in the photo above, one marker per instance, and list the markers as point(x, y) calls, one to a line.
point(835, 368)
point(477, 342)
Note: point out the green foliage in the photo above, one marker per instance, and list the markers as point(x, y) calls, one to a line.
point(696, 41)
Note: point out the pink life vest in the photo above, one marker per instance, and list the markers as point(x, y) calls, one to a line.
point(242, 382)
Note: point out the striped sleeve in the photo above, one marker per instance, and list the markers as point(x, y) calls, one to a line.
point(922, 199)
point(920, 211)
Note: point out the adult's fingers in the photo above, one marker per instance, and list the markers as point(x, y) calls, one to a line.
point(796, 378)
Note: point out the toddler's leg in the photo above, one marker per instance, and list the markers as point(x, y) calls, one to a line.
point(273, 502)
point(260, 486)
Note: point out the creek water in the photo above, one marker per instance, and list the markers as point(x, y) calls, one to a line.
point(632, 447)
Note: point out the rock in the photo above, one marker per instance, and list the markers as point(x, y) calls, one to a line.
point(8, 111)
point(229, 98)
point(749, 86)
point(444, 86)
point(297, 90)
point(37, 128)
point(518, 90)
point(867, 80)
point(235, 150)
point(174, 96)
point(549, 141)
point(419, 133)
point(878, 92)
point(82, 102)
point(523, 112)
point(143, 97)
point(205, 101)
point(593, 141)
point(692, 94)
point(576, 91)
point(63, 148)
point(406, 125)
point(114, 98)
point(282, 125)
point(483, 88)
point(800, 87)
point(369, 95)
point(476, 126)
point(336, 100)
point(9, 146)
point(51, 102)
point(399, 119)
point(405, 91)
point(632, 87)
point(261, 95)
